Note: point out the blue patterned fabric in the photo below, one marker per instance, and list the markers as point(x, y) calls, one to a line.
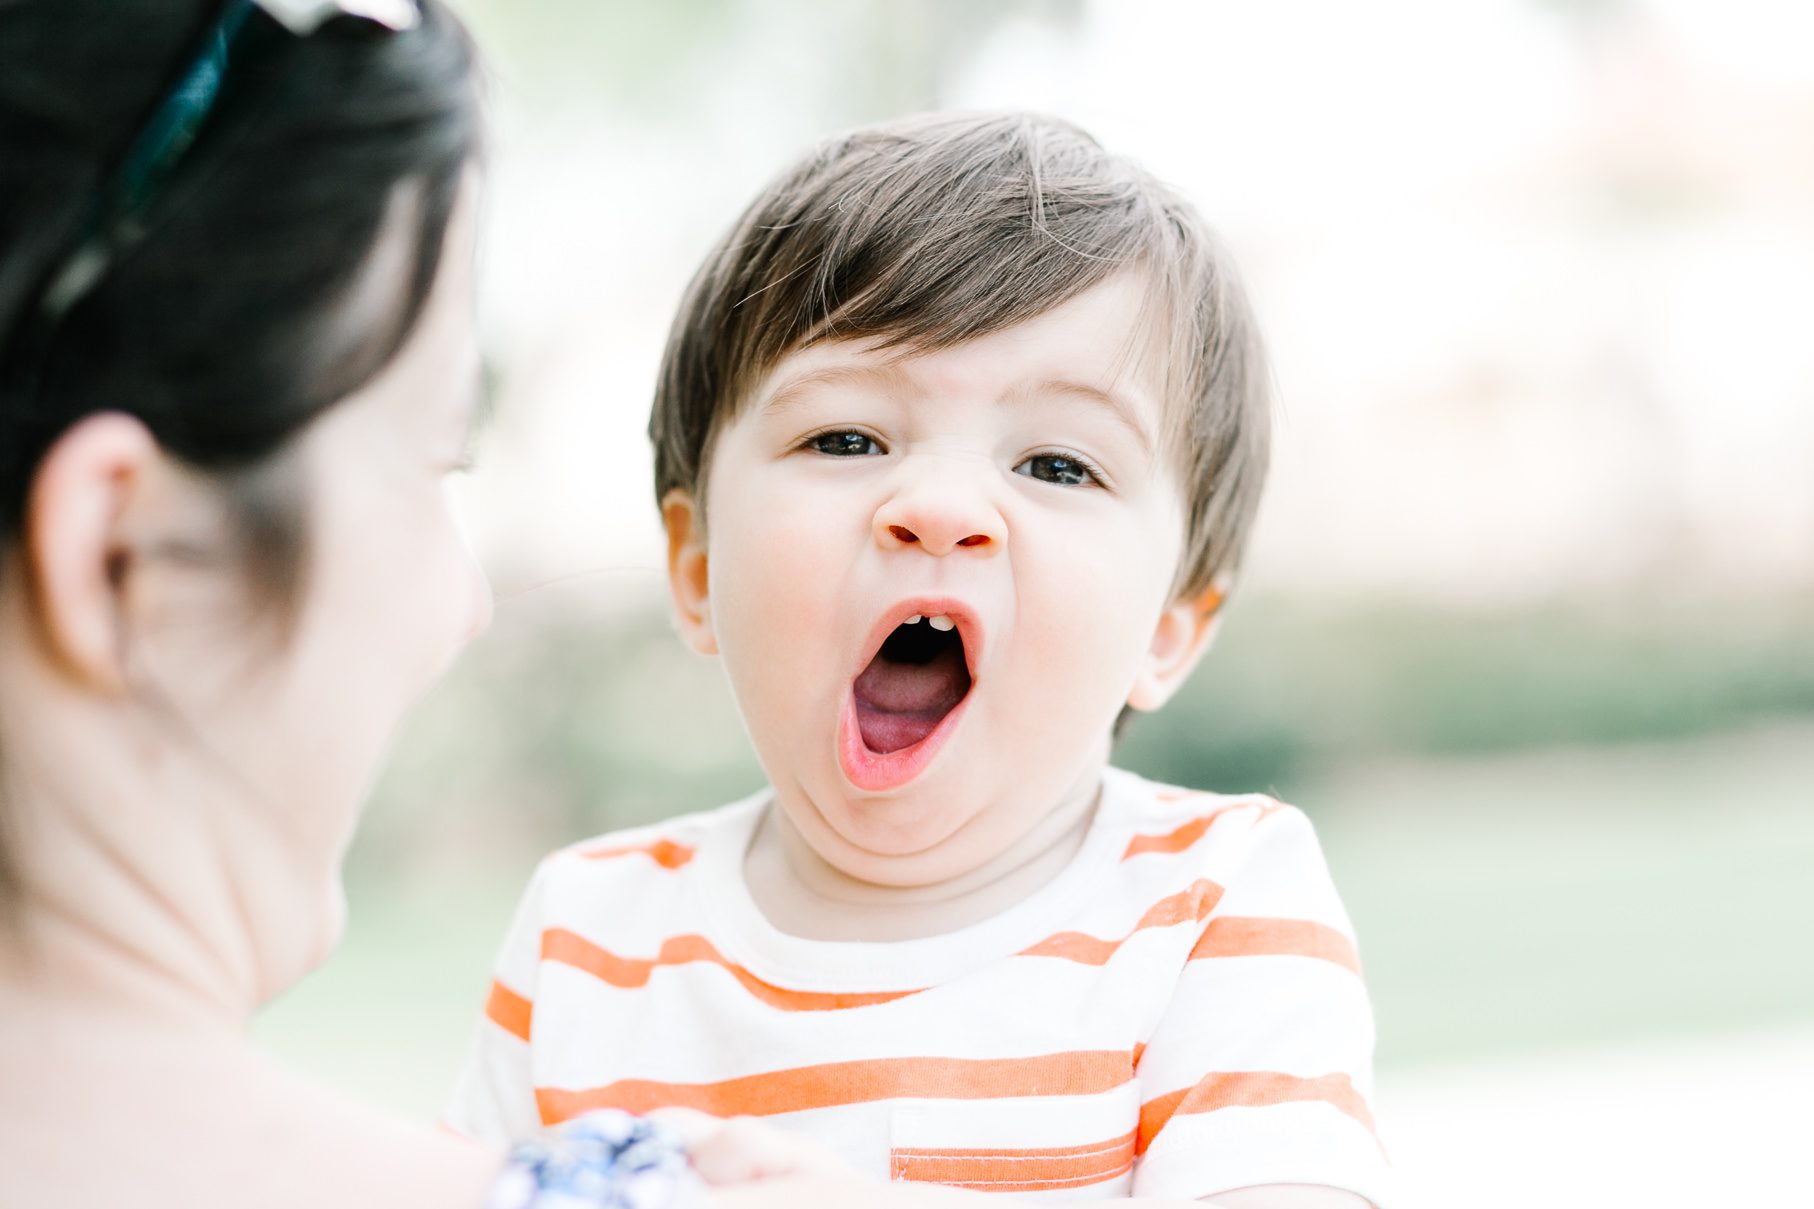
point(602, 1160)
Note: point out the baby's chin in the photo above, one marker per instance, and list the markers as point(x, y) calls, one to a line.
point(900, 841)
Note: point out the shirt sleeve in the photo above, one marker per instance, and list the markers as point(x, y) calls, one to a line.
point(494, 1100)
point(1259, 1070)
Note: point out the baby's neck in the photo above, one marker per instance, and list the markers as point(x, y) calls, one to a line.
point(800, 893)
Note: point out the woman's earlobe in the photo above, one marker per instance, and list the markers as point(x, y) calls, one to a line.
point(689, 580)
point(77, 557)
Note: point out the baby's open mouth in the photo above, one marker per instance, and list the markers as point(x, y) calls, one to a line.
point(917, 678)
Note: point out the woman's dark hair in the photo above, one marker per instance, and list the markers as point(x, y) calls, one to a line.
point(225, 329)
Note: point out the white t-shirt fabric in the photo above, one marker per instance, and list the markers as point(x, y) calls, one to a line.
point(1178, 1013)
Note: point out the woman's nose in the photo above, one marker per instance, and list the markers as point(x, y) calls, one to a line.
point(940, 514)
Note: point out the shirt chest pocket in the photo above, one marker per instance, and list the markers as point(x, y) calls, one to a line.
point(1040, 1148)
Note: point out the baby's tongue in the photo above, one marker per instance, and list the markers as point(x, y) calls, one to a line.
point(898, 704)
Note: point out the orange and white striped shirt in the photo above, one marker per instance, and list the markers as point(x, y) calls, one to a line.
point(1178, 1013)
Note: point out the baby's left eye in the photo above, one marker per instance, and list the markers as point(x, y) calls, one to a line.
point(843, 444)
point(1058, 468)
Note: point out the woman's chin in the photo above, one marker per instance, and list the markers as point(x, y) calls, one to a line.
point(320, 932)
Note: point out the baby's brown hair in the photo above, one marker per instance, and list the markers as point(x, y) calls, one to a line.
point(926, 232)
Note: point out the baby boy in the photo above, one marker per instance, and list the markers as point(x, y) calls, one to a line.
point(958, 439)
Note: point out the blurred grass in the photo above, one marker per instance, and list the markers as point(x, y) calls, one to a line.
point(1550, 827)
point(1578, 895)
point(1294, 684)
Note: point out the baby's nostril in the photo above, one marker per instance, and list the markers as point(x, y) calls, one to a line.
point(975, 539)
point(903, 534)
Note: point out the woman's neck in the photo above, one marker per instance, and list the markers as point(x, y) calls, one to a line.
point(99, 938)
point(151, 888)
point(161, 904)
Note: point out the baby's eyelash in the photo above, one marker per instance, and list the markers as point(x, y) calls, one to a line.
point(810, 442)
point(1090, 467)
point(1094, 473)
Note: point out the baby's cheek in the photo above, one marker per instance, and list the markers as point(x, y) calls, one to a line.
point(761, 588)
point(776, 590)
point(1085, 649)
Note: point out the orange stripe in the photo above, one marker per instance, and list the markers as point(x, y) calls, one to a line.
point(509, 1010)
point(1250, 1089)
point(571, 949)
point(665, 853)
point(1183, 836)
point(1192, 904)
point(1022, 1170)
point(1172, 841)
point(1239, 936)
point(1078, 1073)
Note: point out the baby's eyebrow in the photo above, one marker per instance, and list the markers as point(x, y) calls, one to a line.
point(794, 389)
point(1118, 404)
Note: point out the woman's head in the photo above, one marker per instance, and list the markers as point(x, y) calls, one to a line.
point(248, 417)
point(224, 328)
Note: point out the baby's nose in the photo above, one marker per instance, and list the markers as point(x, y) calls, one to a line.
point(940, 517)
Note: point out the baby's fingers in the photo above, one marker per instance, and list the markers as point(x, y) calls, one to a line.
point(742, 1150)
point(689, 1124)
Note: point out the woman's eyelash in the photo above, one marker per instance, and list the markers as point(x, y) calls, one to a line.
point(466, 460)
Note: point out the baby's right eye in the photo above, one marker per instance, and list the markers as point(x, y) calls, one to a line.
point(843, 443)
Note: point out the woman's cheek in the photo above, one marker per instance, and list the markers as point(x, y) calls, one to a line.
point(422, 603)
point(458, 596)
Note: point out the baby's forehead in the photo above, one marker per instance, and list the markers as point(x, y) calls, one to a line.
point(1099, 346)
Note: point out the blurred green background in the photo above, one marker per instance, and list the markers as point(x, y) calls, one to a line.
point(1528, 627)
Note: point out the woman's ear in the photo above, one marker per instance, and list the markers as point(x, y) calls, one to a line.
point(1179, 641)
point(78, 552)
point(688, 579)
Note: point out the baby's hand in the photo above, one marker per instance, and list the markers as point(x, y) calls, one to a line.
point(749, 1165)
point(743, 1149)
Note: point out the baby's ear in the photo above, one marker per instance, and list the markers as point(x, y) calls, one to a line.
point(1179, 641)
point(688, 581)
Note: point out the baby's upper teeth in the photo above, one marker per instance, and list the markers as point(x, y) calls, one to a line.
point(915, 619)
point(941, 622)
